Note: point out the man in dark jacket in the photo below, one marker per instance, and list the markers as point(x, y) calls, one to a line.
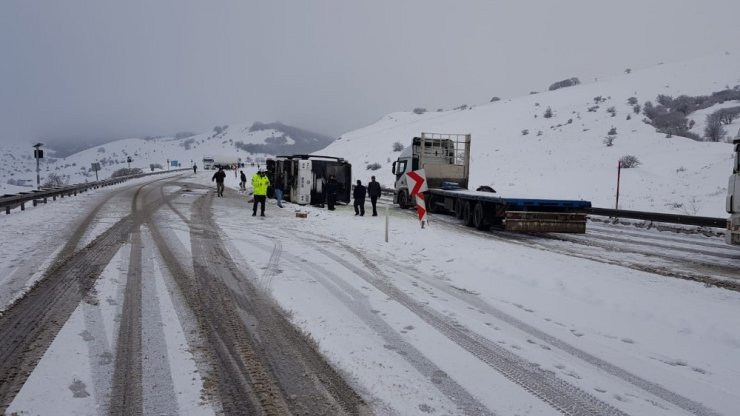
point(331, 192)
point(219, 178)
point(359, 195)
point(373, 190)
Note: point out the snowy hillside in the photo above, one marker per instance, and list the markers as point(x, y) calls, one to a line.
point(515, 148)
point(565, 156)
point(249, 141)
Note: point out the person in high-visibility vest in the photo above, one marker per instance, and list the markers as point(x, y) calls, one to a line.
point(260, 182)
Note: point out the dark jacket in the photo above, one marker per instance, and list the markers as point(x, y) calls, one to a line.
point(373, 189)
point(219, 177)
point(359, 192)
point(243, 177)
point(331, 187)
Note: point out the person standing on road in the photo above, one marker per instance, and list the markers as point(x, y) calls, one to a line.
point(260, 182)
point(243, 183)
point(219, 178)
point(195, 168)
point(359, 195)
point(331, 192)
point(373, 191)
point(278, 188)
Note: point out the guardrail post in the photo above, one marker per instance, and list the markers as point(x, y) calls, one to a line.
point(23, 206)
point(7, 210)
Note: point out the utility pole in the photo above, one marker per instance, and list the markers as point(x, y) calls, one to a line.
point(619, 172)
point(38, 154)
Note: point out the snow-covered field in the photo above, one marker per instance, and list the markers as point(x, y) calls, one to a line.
point(410, 322)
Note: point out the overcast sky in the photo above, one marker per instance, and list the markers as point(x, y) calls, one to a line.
point(113, 69)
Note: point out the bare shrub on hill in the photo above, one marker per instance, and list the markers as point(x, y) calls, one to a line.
point(636, 109)
point(373, 166)
point(629, 161)
point(125, 172)
point(397, 146)
point(525, 132)
point(53, 180)
point(612, 131)
point(494, 99)
point(713, 130)
point(564, 83)
point(727, 115)
point(187, 143)
point(609, 140)
point(632, 100)
point(548, 113)
point(420, 110)
point(612, 110)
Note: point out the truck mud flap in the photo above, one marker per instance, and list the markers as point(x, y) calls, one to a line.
point(545, 222)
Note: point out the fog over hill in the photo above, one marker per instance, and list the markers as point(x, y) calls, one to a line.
point(564, 143)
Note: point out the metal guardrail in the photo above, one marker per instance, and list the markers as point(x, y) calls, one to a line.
point(42, 195)
point(660, 217)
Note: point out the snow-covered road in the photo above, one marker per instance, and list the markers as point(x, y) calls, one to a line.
point(441, 320)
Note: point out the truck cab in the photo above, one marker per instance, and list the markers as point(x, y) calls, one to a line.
point(733, 199)
point(444, 158)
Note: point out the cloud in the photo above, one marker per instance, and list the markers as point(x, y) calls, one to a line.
point(91, 69)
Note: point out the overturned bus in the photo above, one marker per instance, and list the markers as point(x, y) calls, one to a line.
point(303, 178)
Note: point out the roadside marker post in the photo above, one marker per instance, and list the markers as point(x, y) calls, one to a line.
point(419, 179)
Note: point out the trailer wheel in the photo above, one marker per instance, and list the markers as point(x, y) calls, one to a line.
point(478, 219)
point(459, 209)
point(431, 204)
point(467, 214)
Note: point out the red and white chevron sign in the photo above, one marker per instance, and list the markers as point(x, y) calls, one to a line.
point(419, 180)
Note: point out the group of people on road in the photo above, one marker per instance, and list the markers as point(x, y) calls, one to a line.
point(359, 193)
point(261, 183)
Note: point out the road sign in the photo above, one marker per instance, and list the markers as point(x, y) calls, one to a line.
point(419, 180)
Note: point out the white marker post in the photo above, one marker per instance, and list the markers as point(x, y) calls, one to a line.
point(386, 223)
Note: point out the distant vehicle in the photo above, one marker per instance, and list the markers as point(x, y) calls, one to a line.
point(445, 159)
point(303, 178)
point(226, 162)
point(733, 199)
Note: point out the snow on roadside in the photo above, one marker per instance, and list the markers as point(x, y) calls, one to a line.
point(657, 328)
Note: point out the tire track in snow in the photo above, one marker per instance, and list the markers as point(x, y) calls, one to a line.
point(357, 302)
point(126, 395)
point(564, 397)
point(648, 387)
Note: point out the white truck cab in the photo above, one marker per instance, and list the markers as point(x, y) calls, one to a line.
point(733, 199)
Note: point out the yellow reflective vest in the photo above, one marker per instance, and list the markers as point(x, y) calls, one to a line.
point(260, 184)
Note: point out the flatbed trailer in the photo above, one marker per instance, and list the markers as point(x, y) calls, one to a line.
point(445, 159)
point(482, 210)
